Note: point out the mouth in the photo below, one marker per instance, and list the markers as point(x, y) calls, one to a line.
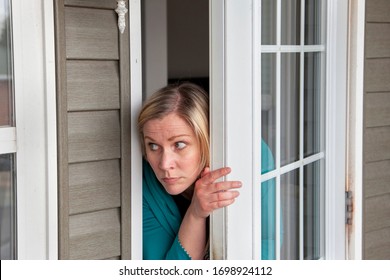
point(170, 180)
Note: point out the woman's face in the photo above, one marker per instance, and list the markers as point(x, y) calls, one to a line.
point(173, 152)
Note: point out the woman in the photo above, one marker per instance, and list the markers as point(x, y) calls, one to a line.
point(179, 189)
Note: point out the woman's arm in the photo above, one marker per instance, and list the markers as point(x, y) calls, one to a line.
point(208, 195)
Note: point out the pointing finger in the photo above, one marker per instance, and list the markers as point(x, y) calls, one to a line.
point(210, 177)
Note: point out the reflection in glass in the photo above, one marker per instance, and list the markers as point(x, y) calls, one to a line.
point(289, 141)
point(268, 22)
point(268, 203)
point(268, 222)
point(289, 192)
point(7, 208)
point(313, 102)
point(291, 18)
point(313, 211)
point(6, 99)
point(268, 100)
point(313, 22)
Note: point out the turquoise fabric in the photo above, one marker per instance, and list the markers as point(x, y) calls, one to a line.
point(161, 221)
point(268, 197)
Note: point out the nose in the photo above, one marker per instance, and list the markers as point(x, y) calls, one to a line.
point(167, 160)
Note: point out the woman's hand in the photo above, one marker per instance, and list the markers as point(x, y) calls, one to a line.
point(210, 195)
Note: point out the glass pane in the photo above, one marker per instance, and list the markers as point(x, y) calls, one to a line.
point(289, 193)
point(268, 107)
point(6, 96)
point(268, 199)
point(268, 22)
point(7, 208)
point(313, 22)
point(291, 19)
point(313, 104)
point(313, 211)
point(289, 150)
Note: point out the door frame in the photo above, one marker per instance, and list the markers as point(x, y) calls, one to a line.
point(135, 103)
point(36, 130)
point(354, 232)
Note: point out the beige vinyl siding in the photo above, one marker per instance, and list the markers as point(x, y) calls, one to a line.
point(93, 131)
point(376, 216)
point(85, 92)
point(97, 179)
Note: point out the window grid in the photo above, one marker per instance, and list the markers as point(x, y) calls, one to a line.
point(303, 161)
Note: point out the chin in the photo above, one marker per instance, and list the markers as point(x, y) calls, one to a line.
point(173, 190)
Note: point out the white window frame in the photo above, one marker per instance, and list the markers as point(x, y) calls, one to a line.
point(136, 103)
point(34, 138)
point(235, 37)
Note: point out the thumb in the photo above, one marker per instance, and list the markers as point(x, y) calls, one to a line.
point(205, 171)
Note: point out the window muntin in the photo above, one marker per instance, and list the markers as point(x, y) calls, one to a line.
point(293, 123)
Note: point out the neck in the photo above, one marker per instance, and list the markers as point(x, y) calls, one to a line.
point(188, 193)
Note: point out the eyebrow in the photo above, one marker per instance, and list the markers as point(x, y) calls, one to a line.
point(169, 139)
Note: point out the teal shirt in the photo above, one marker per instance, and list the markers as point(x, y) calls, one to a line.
point(162, 219)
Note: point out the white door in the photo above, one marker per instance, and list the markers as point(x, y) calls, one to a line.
point(278, 91)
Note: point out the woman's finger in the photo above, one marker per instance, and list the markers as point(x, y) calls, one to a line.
point(225, 185)
point(221, 196)
point(212, 176)
point(221, 204)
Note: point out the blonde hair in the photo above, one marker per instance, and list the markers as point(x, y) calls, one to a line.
point(188, 101)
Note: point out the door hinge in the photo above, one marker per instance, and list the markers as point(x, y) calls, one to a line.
point(348, 207)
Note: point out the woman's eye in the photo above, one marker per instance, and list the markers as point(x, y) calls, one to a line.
point(153, 147)
point(180, 145)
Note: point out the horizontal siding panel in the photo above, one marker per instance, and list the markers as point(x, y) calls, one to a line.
point(95, 235)
point(377, 212)
point(377, 144)
point(377, 178)
point(93, 136)
point(377, 40)
point(377, 245)
point(377, 11)
point(92, 85)
point(103, 4)
point(113, 258)
point(94, 186)
point(377, 73)
point(91, 34)
point(377, 109)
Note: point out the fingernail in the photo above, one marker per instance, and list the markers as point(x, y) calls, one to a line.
point(237, 184)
